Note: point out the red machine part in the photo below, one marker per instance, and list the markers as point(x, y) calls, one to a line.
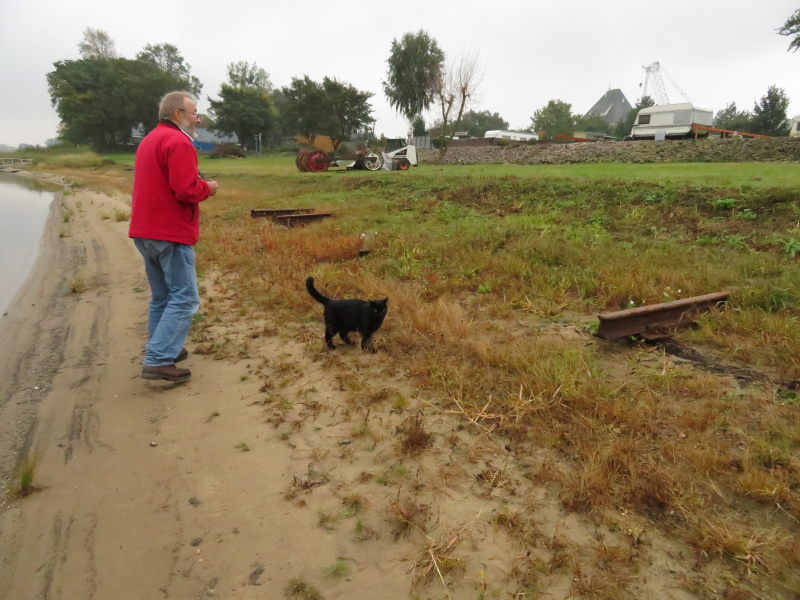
point(317, 161)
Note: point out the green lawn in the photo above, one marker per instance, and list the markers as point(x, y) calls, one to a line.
point(717, 174)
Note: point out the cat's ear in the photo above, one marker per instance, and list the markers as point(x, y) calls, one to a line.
point(386, 300)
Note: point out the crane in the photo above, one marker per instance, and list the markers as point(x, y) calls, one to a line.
point(654, 71)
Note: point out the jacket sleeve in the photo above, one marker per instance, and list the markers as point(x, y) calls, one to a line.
point(184, 179)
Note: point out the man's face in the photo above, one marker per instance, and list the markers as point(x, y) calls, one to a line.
point(187, 118)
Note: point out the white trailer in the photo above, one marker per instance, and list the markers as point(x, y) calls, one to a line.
point(515, 136)
point(794, 131)
point(670, 121)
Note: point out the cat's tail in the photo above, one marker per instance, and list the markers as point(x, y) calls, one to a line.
point(314, 293)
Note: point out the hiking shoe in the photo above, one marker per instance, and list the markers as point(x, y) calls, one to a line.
point(182, 355)
point(168, 372)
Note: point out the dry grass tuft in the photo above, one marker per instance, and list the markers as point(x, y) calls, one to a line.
point(22, 481)
point(757, 550)
point(437, 559)
point(298, 589)
point(415, 438)
point(406, 513)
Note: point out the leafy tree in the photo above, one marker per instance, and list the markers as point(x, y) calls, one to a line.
point(168, 58)
point(244, 74)
point(418, 126)
point(348, 109)
point(624, 128)
point(415, 64)
point(478, 123)
point(244, 107)
point(732, 118)
point(554, 119)
point(594, 124)
point(769, 114)
point(243, 111)
point(792, 28)
point(96, 44)
point(100, 100)
point(305, 111)
point(331, 108)
point(100, 97)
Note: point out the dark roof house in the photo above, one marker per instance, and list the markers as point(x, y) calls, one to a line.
point(613, 107)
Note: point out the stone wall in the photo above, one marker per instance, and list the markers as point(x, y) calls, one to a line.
point(708, 150)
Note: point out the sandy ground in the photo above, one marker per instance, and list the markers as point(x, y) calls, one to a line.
point(276, 463)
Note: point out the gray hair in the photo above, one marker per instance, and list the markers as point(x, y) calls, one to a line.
point(172, 102)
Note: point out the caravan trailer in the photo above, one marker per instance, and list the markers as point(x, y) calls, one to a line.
point(669, 121)
point(514, 136)
point(794, 130)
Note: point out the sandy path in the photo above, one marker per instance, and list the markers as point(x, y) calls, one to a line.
point(144, 493)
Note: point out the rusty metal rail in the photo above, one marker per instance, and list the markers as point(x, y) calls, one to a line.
point(299, 219)
point(656, 320)
point(271, 212)
point(289, 217)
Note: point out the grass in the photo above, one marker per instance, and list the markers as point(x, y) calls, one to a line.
point(300, 589)
point(78, 283)
point(22, 482)
point(339, 569)
point(494, 275)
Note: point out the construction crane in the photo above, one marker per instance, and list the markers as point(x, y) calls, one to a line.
point(653, 72)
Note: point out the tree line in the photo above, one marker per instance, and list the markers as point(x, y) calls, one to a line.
point(100, 97)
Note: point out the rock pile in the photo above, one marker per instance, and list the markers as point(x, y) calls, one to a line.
point(707, 150)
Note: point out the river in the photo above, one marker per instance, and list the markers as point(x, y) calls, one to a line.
point(24, 207)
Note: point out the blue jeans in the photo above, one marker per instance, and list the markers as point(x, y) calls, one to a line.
point(174, 298)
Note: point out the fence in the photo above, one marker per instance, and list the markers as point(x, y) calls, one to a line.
point(15, 162)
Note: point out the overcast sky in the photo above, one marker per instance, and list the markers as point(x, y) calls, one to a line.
point(530, 51)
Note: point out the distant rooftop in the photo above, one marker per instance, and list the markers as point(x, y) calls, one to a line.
point(613, 107)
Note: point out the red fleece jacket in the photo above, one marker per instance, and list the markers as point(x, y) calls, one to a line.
point(167, 188)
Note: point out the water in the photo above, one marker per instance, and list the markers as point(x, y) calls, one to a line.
point(23, 212)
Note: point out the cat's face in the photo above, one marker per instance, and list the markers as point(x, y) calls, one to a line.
point(379, 307)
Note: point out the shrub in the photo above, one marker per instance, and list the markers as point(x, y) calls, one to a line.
point(227, 151)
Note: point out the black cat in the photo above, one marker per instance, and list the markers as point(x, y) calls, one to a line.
point(344, 316)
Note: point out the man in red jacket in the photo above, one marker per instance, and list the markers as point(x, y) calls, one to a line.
point(165, 225)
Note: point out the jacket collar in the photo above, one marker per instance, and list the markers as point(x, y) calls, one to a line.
point(174, 125)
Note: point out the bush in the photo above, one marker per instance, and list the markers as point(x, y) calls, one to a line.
point(227, 151)
point(72, 161)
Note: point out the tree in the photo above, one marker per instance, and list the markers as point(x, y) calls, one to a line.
point(769, 114)
point(554, 119)
point(100, 97)
point(455, 87)
point(305, 111)
point(792, 27)
point(418, 126)
point(244, 107)
point(243, 111)
point(415, 64)
point(732, 118)
point(624, 128)
point(244, 74)
point(168, 58)
point(478, 123)
point(96, 44)
point(348, 109)
point(331, 108)
point(594, 124)
point(100, 100)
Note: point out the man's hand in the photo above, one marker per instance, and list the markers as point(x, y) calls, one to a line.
point(213, 186)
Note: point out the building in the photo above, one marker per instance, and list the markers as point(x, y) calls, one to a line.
point(613, 107)
point(206, 140)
